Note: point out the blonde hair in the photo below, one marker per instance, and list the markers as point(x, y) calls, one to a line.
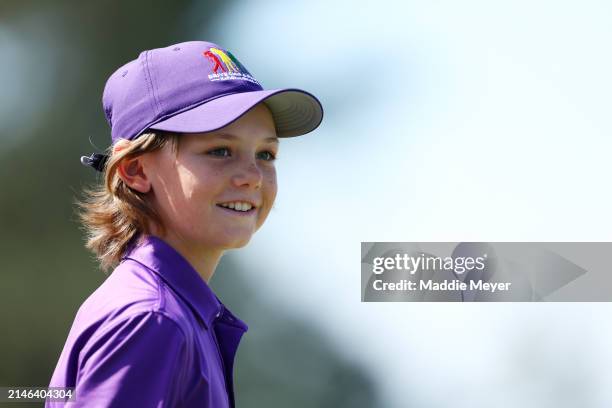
point(112, 214)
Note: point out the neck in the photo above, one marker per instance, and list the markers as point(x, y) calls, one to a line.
point(203, 260)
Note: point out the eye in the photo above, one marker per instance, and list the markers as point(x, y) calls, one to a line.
point(267, 155)
point(220, 152)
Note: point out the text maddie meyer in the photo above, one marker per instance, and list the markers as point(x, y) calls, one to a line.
point(446, 285)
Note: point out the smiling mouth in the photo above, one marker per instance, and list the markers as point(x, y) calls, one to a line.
point(238, 209)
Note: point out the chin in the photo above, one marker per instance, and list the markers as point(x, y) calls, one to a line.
point(235, 245)
point(241, 244)
point(236, 242)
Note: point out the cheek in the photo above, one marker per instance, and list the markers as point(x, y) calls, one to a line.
point(176, 193)
point(270, 186)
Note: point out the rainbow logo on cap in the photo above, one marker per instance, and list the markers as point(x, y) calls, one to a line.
point(226, 67)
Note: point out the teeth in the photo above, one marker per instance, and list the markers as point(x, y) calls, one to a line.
point(237, 205)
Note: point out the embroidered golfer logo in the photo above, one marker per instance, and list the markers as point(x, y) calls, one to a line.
point(229, 64)
point(226, 67)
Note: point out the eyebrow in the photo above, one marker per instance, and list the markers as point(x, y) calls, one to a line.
point(229, 136)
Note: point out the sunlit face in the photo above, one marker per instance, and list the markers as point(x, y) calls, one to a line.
point(231, 167)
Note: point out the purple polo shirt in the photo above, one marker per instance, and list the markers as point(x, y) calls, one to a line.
point(152, 335)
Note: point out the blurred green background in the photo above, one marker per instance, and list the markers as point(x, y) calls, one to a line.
point(46, 272)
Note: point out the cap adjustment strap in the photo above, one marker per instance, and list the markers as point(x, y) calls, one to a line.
point(95, 160)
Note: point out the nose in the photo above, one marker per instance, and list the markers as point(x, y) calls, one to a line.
point(248, 175)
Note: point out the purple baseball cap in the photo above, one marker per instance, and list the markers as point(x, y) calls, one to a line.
point(195, 87)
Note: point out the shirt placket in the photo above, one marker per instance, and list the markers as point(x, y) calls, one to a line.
point(228, 329)
point(220, 355)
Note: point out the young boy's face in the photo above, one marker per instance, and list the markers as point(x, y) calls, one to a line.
point(211, 170)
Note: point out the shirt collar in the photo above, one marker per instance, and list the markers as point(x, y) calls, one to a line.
point(177, 272)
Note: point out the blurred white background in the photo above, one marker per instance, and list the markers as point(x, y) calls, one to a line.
point(445, 121)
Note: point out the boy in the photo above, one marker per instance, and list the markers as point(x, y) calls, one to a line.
point(190, 174)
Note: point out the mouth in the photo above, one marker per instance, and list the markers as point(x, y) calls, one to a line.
point(238, 207)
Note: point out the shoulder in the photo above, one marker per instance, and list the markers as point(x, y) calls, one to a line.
point(147, 325)
point(131, 290)
point(146, 333)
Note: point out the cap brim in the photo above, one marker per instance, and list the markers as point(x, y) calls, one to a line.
point(295, 112)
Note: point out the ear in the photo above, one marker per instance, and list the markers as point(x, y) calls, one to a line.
point(131, 171)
